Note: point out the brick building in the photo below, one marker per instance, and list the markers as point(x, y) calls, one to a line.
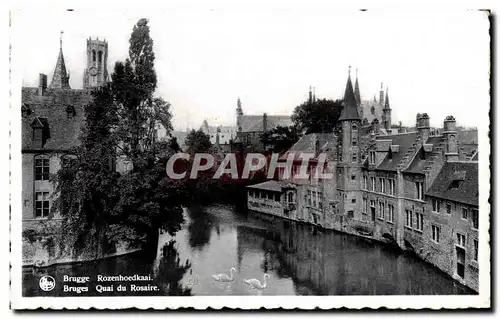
point(51, 119)
point(250, 128)
point(384, 182)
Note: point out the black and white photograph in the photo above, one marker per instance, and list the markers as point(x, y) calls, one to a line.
point(252, 154)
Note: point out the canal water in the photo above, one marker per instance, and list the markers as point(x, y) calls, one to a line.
point(299, 259)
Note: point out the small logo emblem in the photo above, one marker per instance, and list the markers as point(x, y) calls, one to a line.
point(47, 283)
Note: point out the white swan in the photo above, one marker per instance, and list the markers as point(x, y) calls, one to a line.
point(224, 277)
point(255, 283)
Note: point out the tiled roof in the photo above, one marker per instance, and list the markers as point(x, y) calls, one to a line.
point(63, 130)
point(469, 149)
point(307, 144)
point(255, 123)
point(419, 162)
point(404, 141)
point(468, 136)
point(451, 184)
point(271, 185)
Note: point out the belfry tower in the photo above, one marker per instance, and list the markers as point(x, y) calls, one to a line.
point(96, 72)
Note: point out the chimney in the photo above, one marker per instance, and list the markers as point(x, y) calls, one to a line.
point(423, 127)
point(42, 83)
point(401, 129)
point(450, 134)
point(264, 122)
point(376, 126)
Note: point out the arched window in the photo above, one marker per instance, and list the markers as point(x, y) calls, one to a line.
point(354, 128)
point(372, 110)
point(93, 56)
point(100, 56)
point(290, 197)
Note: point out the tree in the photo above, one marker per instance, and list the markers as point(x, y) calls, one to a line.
point(320, 116)
point(122, 120)
point(197, 142)
point(87, 183)
point(280, 138)
point(134, 82)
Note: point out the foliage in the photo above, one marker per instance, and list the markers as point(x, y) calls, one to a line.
point(280, 138)
point(320, 116)
point(98, 204)
point(197, 142)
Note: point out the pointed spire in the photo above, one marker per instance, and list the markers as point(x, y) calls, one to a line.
point(314, 94)
point(387, 105)
point(357, 95)
point(60, 79)
point(349, 104)
point(239, 109)
point(381, 99)
point(310, 100)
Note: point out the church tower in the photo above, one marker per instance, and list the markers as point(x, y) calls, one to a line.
point(239, 114)
point(96, 72)
point(349, 165)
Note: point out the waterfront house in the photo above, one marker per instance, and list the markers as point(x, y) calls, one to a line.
point(451, 233)
point(382, 185)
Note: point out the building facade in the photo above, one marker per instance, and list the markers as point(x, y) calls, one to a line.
point(51, 120)
point(385, 183)
point(250, 128)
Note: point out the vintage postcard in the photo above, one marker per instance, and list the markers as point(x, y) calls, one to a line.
point(292, 157)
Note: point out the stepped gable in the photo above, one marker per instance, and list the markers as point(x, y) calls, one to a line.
point(457, 181)
point(63, 129)
point(419, 163)
point(405, 142)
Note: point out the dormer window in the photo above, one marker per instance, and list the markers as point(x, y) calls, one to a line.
point(372, 157)
point(25, 110)
point(70, 111)
point(41, 132)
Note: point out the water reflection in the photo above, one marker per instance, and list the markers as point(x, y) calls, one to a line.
point(200, 227)
point(167, 271)
point(171, 270)
point(301, 259)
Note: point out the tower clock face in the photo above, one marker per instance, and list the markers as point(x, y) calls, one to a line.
point(93, 71)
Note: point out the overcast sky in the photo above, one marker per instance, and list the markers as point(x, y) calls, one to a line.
point(206, 58)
